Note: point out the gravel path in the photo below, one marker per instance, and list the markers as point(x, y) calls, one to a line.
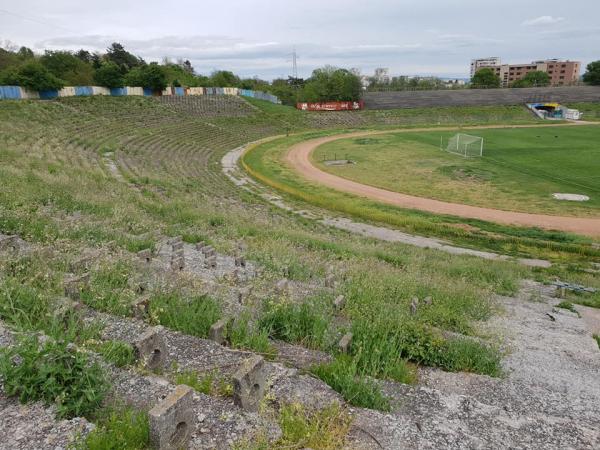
point(231, 169)
point(298, 157)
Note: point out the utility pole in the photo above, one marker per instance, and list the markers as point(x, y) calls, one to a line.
point(295, 64)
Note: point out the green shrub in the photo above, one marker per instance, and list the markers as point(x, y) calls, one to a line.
point(244, 335)
point(21, 305)
point(190, 378)
point(568, 306)
point(319, 430)
point(343, 376)
point(109, 290)
point(119, 429)
point(306, 324)
point(192, 316)
point(119, 353)
point(53, 373)
point(466, 355)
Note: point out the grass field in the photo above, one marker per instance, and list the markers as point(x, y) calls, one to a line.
point(116, 175)
point(520, 170)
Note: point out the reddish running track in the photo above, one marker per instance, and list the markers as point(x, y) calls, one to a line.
point(298, 157)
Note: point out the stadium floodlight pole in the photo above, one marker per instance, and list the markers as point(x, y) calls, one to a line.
point(481, 148)
point(457, 141)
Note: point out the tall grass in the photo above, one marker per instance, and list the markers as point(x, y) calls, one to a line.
point(306, 323)
point(193, 316)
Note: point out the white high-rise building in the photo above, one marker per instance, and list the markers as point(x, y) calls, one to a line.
point(382, 75)
point(479, 63)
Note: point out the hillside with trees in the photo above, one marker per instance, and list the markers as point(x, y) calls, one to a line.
point(117, 67)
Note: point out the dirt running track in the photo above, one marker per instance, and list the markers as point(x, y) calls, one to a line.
point(298, 156)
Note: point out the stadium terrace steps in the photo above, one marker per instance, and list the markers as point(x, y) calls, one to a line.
point(480, 97)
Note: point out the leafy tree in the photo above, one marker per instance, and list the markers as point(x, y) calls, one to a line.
point(9, 76)
point(592, 73)
point(150, 76)
point(485, 78)
point(224, 78)
point(332, 84)
point(91, 58)
point(35, 76)
point(532, 79)
point(109, 75)
point(68, 67)
point(176, 73)
point(25, 53)
point(287, 90)
point(122, 58)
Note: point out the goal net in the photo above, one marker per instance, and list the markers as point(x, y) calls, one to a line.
point(465, 145)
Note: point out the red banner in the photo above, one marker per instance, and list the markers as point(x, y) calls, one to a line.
point(330, 106)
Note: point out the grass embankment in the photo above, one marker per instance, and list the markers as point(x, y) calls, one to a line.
point(520, 170)
point(265, 162)
point(61, 192)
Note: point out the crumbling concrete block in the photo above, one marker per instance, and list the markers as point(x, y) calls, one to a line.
point(414, 304)
point(339, 302)
point(428, 300)
point(137, 284)
point(177, 247)
point(244, 293)
point(172, 421)
point(145, 255)
point(83, 263)
point(73, 285)
point(9, 242)
point(64, 308)
point(249, 383)
point(218, 331)
point(151, 349)
point(282, 286)
point(345, 342)
point(174, 240)
point(140, 307)
point(177, 263)
point(210, 262)
point(240, 261)
point(207, 250)
point(330, 281)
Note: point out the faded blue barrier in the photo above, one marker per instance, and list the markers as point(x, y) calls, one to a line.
point(15, 92)
point(10, 92)
point(83, 91)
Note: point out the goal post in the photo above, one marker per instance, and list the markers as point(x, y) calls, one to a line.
point(465, 145)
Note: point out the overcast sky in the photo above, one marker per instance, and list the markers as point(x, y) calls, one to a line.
point(256, 37)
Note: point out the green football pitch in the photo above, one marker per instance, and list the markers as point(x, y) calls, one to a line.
point(520, 170)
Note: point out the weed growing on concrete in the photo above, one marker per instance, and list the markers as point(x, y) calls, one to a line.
point(55, 374)
point(358, 390)
point(118, 428)
point(193, 316)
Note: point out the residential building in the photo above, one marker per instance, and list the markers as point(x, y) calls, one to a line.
point(480, 63)
point(560, 72)
point(382, 75)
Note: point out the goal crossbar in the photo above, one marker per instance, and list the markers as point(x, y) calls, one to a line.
point(466, 145)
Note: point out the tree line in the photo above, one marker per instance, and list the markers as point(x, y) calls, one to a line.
point(117, 67)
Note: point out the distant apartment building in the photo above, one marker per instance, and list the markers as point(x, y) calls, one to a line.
point(480, 63)
point(560, 72)
point(382, 75)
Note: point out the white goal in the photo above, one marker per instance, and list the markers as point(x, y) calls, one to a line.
point(465, 145)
